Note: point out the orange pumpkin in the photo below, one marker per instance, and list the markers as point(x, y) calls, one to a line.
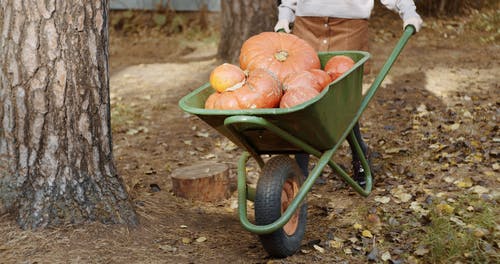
point(227, 76)
point(338, 65)
point(261, 90)
point(210, 102)
point(225, 100)
point(315, 78)
point(322, 77)
point(280, 53)
point(295, 97)
point(299, 80)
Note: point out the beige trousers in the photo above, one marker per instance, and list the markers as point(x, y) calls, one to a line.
point(331, 34)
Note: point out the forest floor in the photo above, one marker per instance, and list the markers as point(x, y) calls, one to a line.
point(432, 127)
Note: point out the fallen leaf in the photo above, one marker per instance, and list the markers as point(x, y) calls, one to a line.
point(401, 194)
point(132, 132)
point(457, 221)
point(367, 233)
point(386, 256)
point(454, 126)
point(201, 239)
point(186, 240)
point(474, 158)
point(382, 199)
point(335, 244)
point(373, 219)
point(201, 134)
point(421, 251)
point(479, 189)
point(357, 226)
point(480, 232)
point(353, 240)
point(209, 156)
point(417, 208)
point(227, 145)
point(437, 147)
point(167, 248)
point(445, 208)
point(490, 174)
point(395, 150)
point(464, 183)
point(319, 249)
point(467, 114)
point(412, 260)
point(449, 179)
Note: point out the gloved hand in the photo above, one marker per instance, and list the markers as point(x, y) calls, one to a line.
point(415, 21)
point(282, 24)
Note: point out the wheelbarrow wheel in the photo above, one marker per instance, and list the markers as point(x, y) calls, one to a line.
point(278, 185)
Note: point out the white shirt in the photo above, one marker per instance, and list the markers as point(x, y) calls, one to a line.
point(358, 9)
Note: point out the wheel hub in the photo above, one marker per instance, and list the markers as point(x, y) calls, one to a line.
point(288, 193)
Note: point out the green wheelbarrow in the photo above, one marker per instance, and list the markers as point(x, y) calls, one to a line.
point(318, 127)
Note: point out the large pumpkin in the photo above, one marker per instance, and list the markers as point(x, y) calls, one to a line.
point(281, 53)
point(261, 90)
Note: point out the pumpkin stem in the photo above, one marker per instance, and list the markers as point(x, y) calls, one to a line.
point(281, 55)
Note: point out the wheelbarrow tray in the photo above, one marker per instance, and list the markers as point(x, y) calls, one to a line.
point(320, 122)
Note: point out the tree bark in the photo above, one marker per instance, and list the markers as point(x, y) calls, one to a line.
point(56, 162)
point(240, 20)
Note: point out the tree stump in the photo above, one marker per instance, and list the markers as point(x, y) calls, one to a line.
point(205, 181)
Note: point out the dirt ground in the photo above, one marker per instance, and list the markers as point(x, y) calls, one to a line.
point(432, 128)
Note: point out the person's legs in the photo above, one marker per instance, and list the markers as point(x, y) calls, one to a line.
point(340, 34)
point(303, 161)
point(358, 171)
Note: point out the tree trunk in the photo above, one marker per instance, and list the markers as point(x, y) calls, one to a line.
point(242, 19)
point(56, 162)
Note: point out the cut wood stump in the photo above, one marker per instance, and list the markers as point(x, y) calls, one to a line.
point(204, 181)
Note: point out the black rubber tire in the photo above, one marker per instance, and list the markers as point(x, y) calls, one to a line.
point(267, 205)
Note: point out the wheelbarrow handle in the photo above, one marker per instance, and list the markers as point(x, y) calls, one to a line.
point(408, 32)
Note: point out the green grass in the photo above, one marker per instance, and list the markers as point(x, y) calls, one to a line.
point(474, 240)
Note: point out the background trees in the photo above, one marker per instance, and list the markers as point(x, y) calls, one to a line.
point(241, 19)
point(449, 7)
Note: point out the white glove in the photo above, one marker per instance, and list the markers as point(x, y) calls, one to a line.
point(282, 24)
point(415, 21)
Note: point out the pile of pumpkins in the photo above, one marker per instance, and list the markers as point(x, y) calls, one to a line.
point(276, 70)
